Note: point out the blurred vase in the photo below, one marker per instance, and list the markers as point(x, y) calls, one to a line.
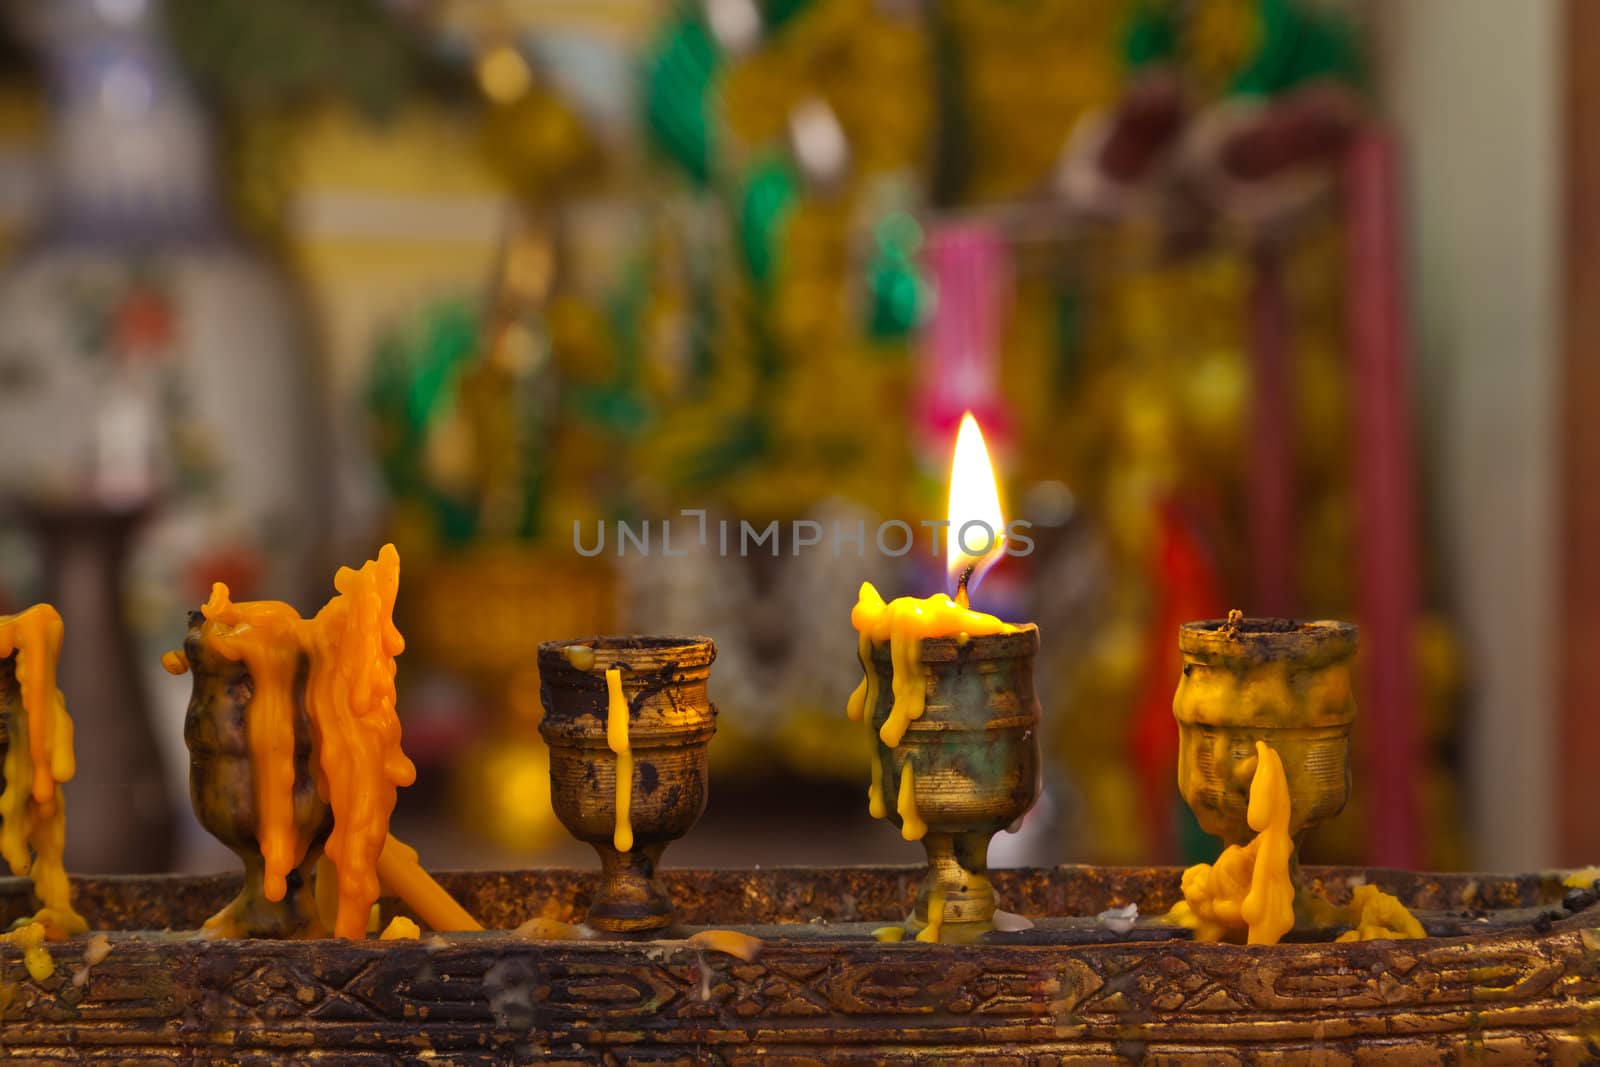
point(151, 364)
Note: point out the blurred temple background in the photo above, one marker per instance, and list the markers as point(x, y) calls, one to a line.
point(1261, 303)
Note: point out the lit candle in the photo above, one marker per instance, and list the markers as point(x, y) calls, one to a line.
point(976, 540)
point(974, 506)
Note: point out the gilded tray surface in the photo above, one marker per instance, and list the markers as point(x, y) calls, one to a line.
point(1518, 982)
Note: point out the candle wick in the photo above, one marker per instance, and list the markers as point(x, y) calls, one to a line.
point(961, 584)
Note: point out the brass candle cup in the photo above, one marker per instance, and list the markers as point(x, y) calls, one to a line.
point(1275, 680)
point(974, 755)
point(670, 723)
point(222, 790)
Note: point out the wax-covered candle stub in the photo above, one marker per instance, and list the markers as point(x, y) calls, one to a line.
point(1249, 889)
point(39, 759)
point(356, 759)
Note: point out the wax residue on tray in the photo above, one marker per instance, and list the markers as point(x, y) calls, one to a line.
point(33, 813)
point(1375, 915)
point(542, 929)
point(400, 928)
point(743, 946)
point(30, 938)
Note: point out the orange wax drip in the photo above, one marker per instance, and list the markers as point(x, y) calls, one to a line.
point(903, 623)
point(350, 700)
point(40, 757)
point(403, 876)
point(357, 760)
point(34, 636)
point(265, 636)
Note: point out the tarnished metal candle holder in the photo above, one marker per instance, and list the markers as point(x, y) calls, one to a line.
point(1275, 680)
point(222, 790)
point(974, 756)
point(670, 723)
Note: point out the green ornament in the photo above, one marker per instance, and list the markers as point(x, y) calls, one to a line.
point(770, 193)
point(680, 68)
point(898, 293)
point(776, 13)
point(1299, 44)
point(1151, 36)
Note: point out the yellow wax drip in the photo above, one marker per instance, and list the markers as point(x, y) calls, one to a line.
point(875, 805)
point(617, 739)
point(935, 917)
point(357, 760)
point(859, 709)
point(912, 828)
point(865, 696)
point(1248, 889)
point(400, 928)
point(31, 937)
point(890, 933)
point(581, 657)
point(33, 813)
point(904, 622)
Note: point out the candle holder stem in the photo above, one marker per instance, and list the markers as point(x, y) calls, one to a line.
point(251, 914)
point(634, 900)
point(958, 870)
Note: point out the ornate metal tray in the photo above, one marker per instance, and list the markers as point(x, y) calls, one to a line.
point(1512, 975)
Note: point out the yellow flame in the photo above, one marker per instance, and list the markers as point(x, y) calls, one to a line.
point(976, 536)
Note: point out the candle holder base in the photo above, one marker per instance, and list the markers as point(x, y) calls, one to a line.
point(958, 879)
point(631, 898)
point(251, 914)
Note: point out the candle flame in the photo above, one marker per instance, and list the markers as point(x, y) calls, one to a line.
point(976, 536)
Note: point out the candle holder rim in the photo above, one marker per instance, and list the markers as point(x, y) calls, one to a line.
point(1022, 641)
point(1258, 639)
point(555, 651)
